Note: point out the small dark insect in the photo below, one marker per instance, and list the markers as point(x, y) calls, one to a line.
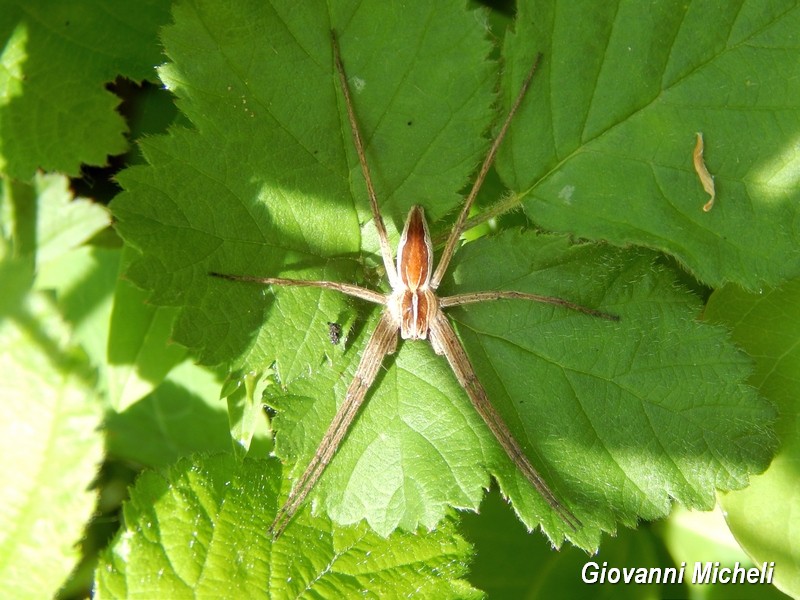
point(335, 333)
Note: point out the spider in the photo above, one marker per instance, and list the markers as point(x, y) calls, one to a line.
point(414, 310)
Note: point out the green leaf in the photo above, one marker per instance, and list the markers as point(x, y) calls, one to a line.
point(127, 338)
point(17, 242)
point(511, 564)
point(603, 149)
point(762, 517)
point(51, 412)
point(201, 531)
point(80, 275)
point(83, 281)
point(700, 538)
point(64, 222)
point(51, 446)
point(139, 351)
point(246, 414)
point(56, 60)
point(183, 415)
point(621, 418)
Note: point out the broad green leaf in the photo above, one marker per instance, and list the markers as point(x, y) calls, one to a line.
point(56, 60)
point(621, 418)
point(200, 531)
point(603, 149)
point(763, 517)
point(183, 415)
point(51, 447)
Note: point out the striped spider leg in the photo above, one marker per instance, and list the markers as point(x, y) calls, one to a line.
point(413, 309)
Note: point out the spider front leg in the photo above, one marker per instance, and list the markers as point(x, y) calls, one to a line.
point(355, 130)
point(345, 288)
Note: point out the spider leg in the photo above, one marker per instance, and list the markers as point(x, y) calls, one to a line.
point(345, 288)
point(382, 342)
point(472, 298)
point(444, 340)
point(458, 228)
point(386, 249)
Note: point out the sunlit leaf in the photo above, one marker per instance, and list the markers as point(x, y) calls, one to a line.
point(201, 531)
point(57, 57)
point(604, 148)
point(51, 447)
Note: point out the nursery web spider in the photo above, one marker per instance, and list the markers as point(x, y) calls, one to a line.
point(415, 311)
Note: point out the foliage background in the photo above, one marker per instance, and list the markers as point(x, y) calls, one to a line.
point(95, 391)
